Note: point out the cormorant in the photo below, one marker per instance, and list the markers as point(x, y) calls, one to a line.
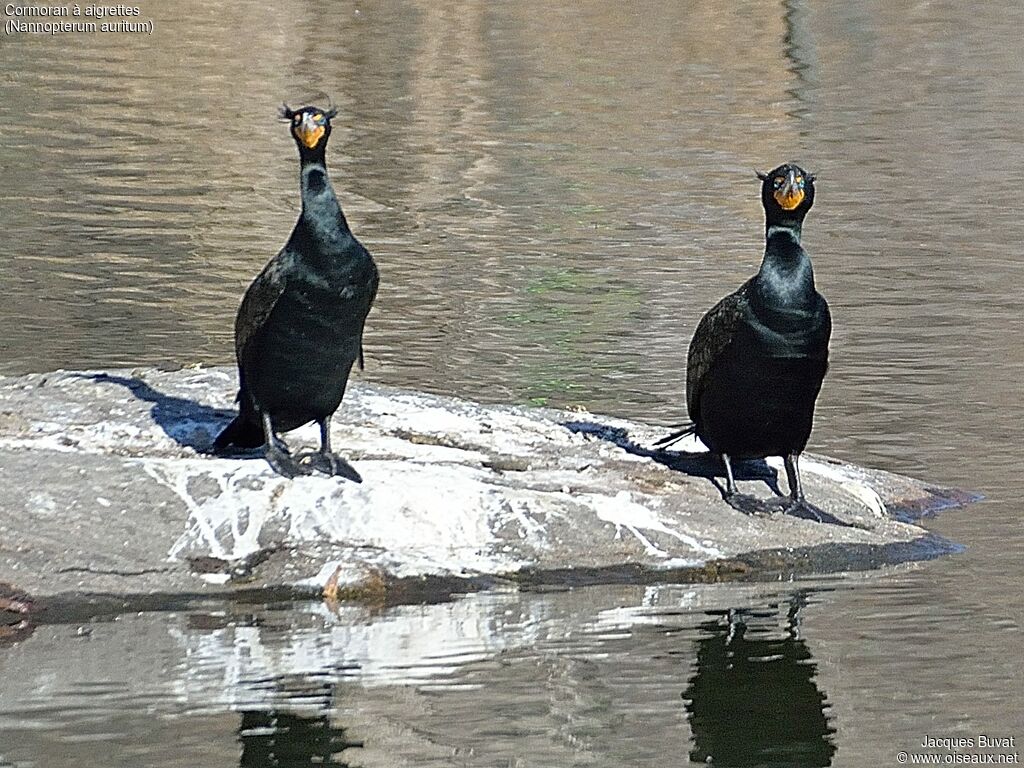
point(758, 357)
point(300, 326)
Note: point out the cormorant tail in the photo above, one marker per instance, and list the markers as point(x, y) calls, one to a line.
point(686, 431)
point(240, 433)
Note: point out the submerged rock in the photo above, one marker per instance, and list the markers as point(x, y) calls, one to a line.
point(108, 489)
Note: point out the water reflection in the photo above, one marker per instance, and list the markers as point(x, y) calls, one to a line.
point(486, 675)
point(287, 740)
point(799, 46)
point(747, 675)
point(753, 700)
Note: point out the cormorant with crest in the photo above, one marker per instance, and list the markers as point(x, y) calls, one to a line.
point(300, 326)
point(758, 357)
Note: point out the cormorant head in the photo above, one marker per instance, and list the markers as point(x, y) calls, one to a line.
point(311, 127)
point(787, 192)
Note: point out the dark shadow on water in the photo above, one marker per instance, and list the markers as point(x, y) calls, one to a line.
point(187, 422)
point(753, 699)
point(701, 464)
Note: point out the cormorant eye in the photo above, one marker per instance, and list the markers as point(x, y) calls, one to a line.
point(779, 181)
point(800, 180)
point(297, 119)
point(318, 117)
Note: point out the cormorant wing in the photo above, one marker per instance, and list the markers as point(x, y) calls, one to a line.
point(714, 333)
point(259, 300)
point(373, 296)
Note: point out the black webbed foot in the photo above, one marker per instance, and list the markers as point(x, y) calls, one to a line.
point(807, 511)
point(749, 505)
point(284, 463)
point(330, 464)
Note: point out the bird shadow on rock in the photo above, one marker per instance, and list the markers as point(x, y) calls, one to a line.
point(703, 464)
point(187, 422)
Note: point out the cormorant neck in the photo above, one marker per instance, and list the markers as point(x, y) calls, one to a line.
point(319, 205)
point(792, 228)
point(786, 273)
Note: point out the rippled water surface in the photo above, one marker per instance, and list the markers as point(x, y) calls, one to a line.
point(554, 195)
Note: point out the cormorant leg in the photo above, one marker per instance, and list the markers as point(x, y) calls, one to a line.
point(799, 506)
point(741, 502)
point(278, 457)
point(730, 482)
point(325, 460)
point(796, 488)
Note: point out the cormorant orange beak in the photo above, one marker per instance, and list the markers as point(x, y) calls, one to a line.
point(309, 132)
point(791, 193)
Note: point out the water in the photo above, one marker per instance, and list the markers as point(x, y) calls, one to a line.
point(554, 196)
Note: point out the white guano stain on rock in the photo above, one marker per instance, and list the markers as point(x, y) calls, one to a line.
point(419, 532)
point(623, 512)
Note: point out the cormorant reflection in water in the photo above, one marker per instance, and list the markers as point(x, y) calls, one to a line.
point(288, 740)
point(753, 700)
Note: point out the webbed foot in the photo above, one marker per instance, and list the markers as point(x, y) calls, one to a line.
point(807, 511)
point(284, 463)
point(330, 464)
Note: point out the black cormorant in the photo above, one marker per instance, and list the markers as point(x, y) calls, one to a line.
point(300, 326)
point(758, 357)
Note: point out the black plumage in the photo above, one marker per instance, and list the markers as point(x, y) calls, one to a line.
point(300, 326)
point(758, 357)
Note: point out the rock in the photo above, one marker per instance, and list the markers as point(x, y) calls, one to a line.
point(15, 609)
point(108, 490)
point(15, 604)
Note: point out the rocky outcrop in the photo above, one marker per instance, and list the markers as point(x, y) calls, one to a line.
point(108, 489)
